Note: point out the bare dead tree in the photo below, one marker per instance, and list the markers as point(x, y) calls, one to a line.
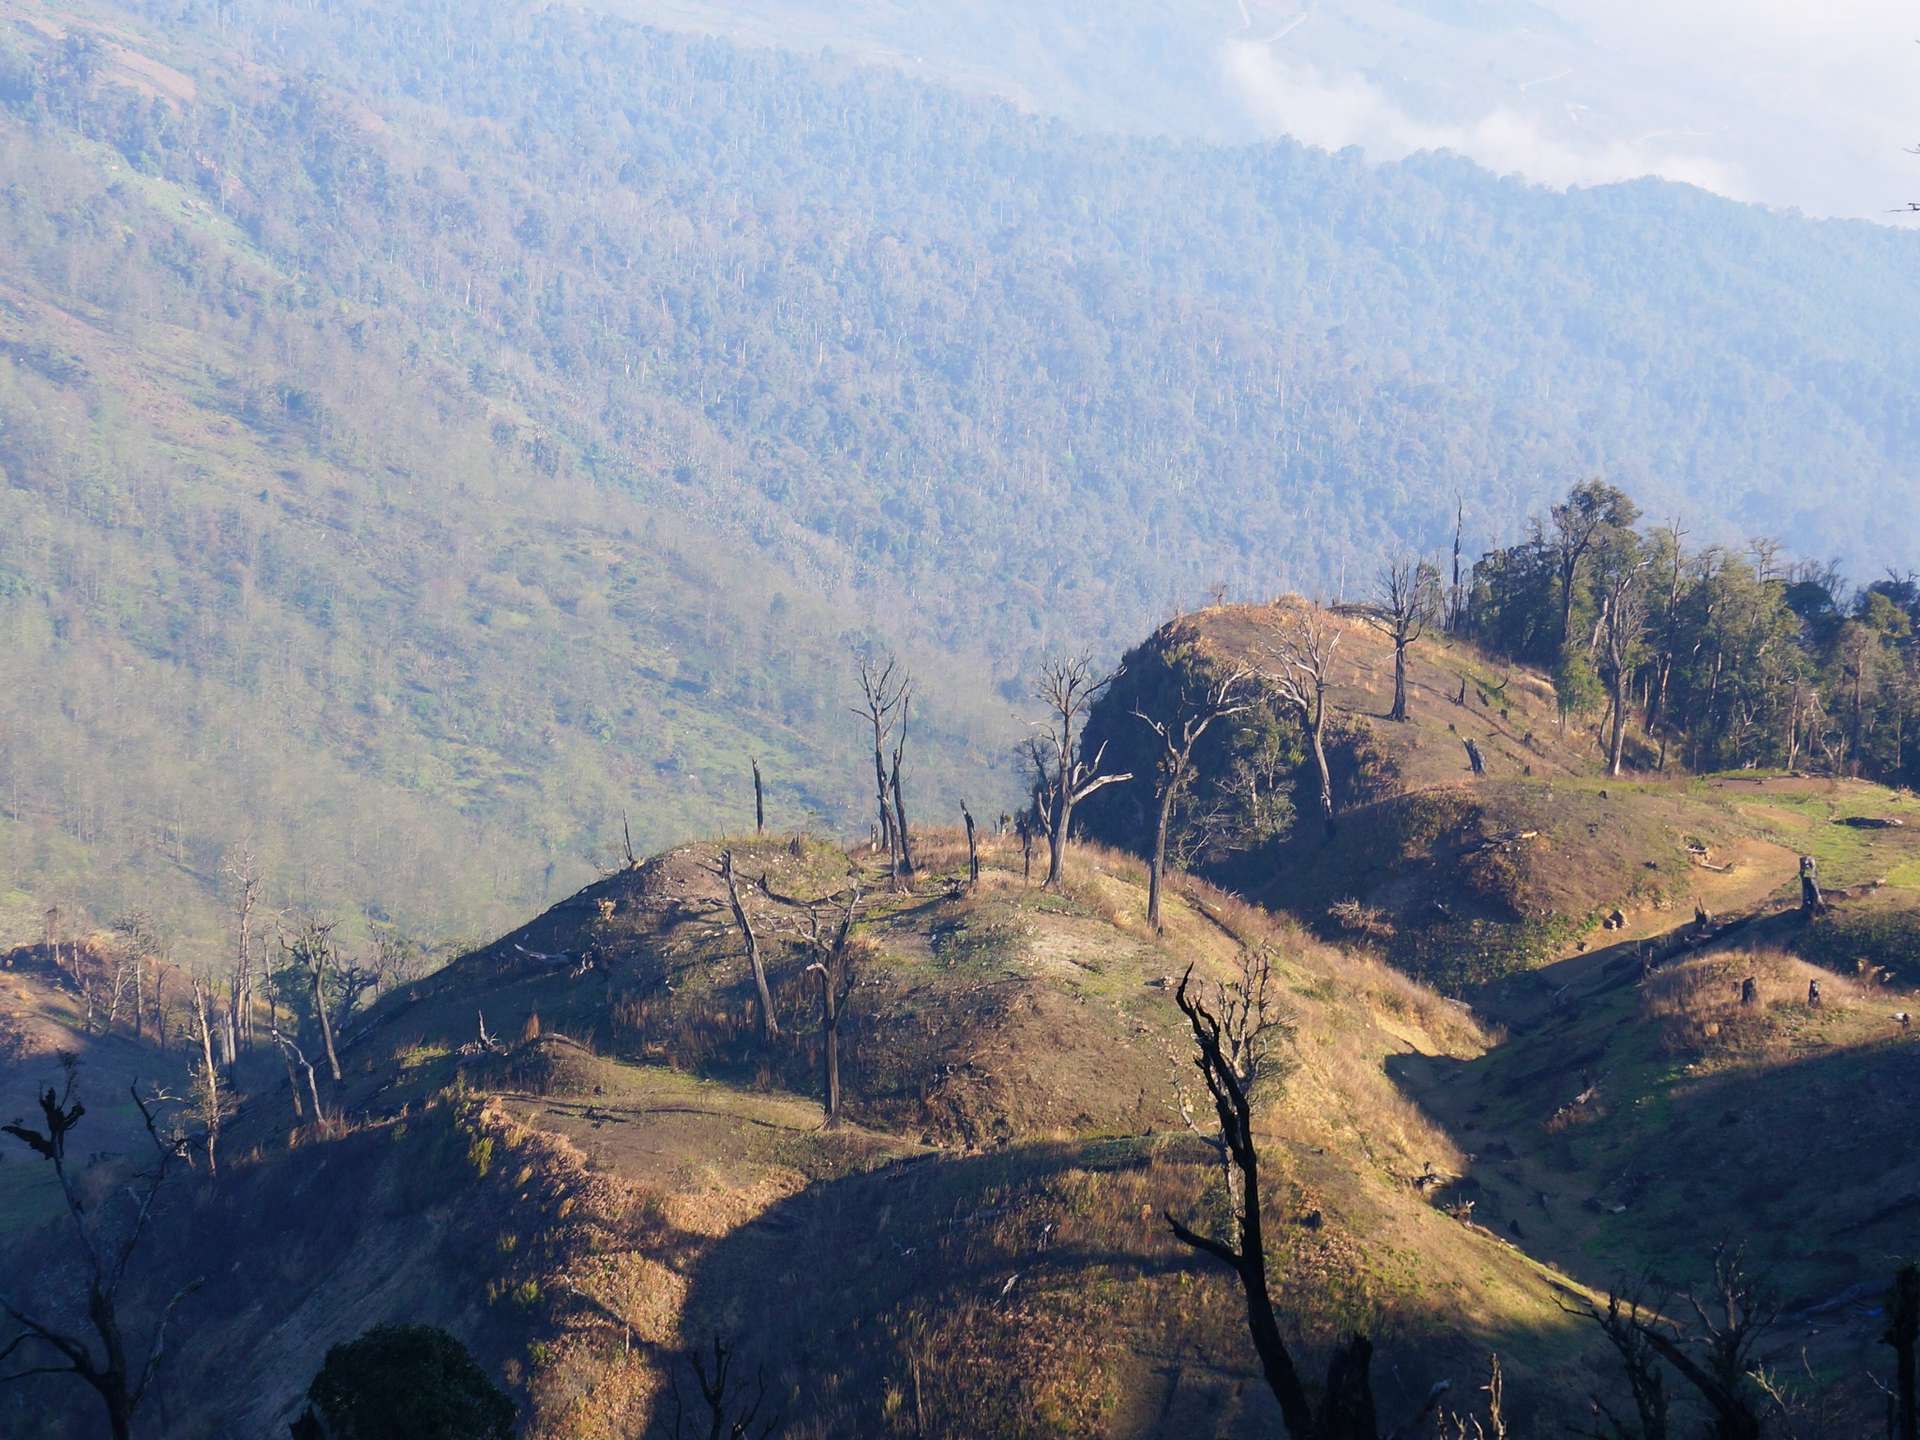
point(1194, 714)
point(1457, 596)
point(1023, 828)
point(209, 1098)
point(973, 848)
point(312, 950)
point(759, 800)
point(244, 874)
point(1346, 1410)
point(1068, 687)
point(1302, 657)
point(297, 1067)
point(1404, 603)
point(893, 779)
point(836, 983)
point(769, 1023)
point(1733, 1320)
point(881, 692)
point(120, 1382)
point(731, 1413)
point(139, 943)
point(1622, 1322)
point(350, 983)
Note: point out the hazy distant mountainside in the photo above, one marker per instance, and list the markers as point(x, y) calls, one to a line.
point(422, 418)
point(1762, 106)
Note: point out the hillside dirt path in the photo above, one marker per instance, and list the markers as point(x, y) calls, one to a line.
point(1562, 1027)
point(1748, 871)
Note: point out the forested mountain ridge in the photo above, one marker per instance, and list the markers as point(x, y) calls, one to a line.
point(976, 379)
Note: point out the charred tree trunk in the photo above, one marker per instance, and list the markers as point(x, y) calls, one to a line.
point(769, 1024)
point(1347, 1409)
point(1057, 836)
point(315, 974)
point(209, 1076)
point(899, 801)
point(973, 849)
point(835, 985)
point(1399, 711)
point(298, 1067)
point(1316, 733)
point(1903, 1330)
point(759, 802)
point(1157, 863)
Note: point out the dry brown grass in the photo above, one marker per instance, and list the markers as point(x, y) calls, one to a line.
point(1697, 1003)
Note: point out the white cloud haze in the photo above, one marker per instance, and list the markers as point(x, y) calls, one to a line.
point(1803, 104)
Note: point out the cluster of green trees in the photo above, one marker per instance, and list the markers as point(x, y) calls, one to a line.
point(1731, 657)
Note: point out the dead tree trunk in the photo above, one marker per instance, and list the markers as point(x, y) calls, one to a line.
point(1347, 1409)
point(1304, 656)
point(313, 948)
point(239, 1011)
point(899, 802)
point(1068, 688)
point(759, 802)
point(1811, 901)
point(1903, 1330)
point(1157, 863)
point(769, 1024)
point(120, 1380)
point(1179, 734)
point(836, 983)
point(207, 1082)
point(297, 1067)
point(881, 695)
point(973, 849)
point(1405, 602)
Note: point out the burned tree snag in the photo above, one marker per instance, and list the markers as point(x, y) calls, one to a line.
point(238, 1021)
point(731, 1414)
point(973, 849)
point(1023, 827)
point(1404, 605)
point(297, 1066)
point(1303, 660)
point(893, 779)
point(1065, 777)
point(1621, 1323)
point(1229, 1070)
point(206, 1081)
point(1811, 901)
point(312, 951)
point(1179, 733)
point(769, 1025)
point(759, 801)
point(105, 1253)
point(836, 983)
point(1742, 1314)
point(881, 696)
point(1902, 1333)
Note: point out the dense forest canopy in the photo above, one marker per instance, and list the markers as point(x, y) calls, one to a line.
point(513, 417)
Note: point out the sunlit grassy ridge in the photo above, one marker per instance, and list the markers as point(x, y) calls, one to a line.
point(639, 1175)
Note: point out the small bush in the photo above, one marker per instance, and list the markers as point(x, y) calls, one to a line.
point(408, 1382)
